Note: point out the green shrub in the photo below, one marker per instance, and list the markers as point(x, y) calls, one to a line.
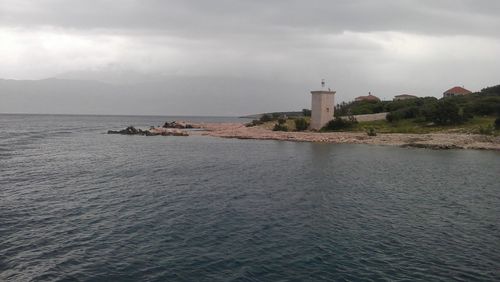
point(497, 123)
point(280, 127)
point(306, 112)
point(487, 130)
point(301, 124)
point(339, 124)
point(410, 112)
point(281, 120)
point(394, 116)
point(485, 105)
point(371, 132)
point(447, 112)
point(365, 107)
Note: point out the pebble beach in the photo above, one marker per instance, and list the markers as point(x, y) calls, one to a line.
point(432, 141)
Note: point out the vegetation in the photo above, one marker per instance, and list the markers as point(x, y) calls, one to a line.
point(487, 130)
point(360, 108)
point(282, 120)
point(371, 132)
point(473, 113)
point(446, 112)
point(486, 102)
point(338, 123)
point(477, 113)
point(301, 124)
point(416, 126)
point(491, 91)
point(280, 127)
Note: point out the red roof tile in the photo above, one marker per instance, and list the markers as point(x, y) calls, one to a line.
point(458, 90)
point(367, 98)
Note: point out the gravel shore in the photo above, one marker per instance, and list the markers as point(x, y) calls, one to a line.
point(432, 141)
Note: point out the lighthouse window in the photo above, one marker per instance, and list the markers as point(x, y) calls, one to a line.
point(327, 110)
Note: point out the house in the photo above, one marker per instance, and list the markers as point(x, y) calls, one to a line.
point(404, 97)
point(456, 91)
point(370, 97)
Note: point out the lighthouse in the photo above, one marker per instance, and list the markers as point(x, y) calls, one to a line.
point(322, 107)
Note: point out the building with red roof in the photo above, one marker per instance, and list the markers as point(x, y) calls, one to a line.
point(370, 97)
point(456, 91)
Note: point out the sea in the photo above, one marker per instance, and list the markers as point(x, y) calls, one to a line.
point(77, 204)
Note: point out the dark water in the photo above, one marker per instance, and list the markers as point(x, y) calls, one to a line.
point(79, 205)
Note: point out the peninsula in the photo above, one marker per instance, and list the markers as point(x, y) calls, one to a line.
point(459, 120)
point(438, 140)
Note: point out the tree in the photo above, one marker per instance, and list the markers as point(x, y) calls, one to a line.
point(447, 112)
point(306, 112)
point(492, 91)
point(393, 116)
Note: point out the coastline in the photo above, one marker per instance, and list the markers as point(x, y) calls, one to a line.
point(430, 141)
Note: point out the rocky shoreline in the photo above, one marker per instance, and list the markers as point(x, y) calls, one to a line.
point(431, 141)
point(436, 141)
point(168, 129)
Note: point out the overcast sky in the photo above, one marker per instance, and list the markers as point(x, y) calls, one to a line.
point(387, 47)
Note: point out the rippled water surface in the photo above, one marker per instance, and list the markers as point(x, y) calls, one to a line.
point(80, 205)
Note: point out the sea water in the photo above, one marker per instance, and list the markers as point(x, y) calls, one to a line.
point(77, 204)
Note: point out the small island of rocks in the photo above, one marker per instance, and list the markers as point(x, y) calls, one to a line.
point(173, 128)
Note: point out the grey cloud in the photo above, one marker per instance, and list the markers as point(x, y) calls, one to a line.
point(212, 18)
point(268, 50)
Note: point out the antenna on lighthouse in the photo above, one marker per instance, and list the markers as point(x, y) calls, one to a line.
point(322, 83)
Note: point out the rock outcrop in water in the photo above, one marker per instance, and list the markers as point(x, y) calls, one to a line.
point(130, 131)
point(178, 125)
point(154, 131)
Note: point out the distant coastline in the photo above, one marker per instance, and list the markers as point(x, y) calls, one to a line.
point(289, 114)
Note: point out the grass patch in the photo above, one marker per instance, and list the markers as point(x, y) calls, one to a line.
point(472, 126)
point(411, 126)
point(290, 123)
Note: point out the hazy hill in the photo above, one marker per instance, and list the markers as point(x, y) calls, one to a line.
point(169, 96)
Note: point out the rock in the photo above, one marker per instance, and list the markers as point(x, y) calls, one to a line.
point(132, 131)
point(432, 146)
point(177, 124)
point(127, 131)
point(153, 131)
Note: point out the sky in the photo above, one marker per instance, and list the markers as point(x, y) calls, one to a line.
point(386, 47)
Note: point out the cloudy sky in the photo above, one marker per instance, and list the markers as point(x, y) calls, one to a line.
point(387, 47)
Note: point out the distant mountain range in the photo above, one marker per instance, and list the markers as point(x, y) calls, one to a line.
point(223, 96)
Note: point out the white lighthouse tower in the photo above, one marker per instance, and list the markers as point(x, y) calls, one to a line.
point(322, 107)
